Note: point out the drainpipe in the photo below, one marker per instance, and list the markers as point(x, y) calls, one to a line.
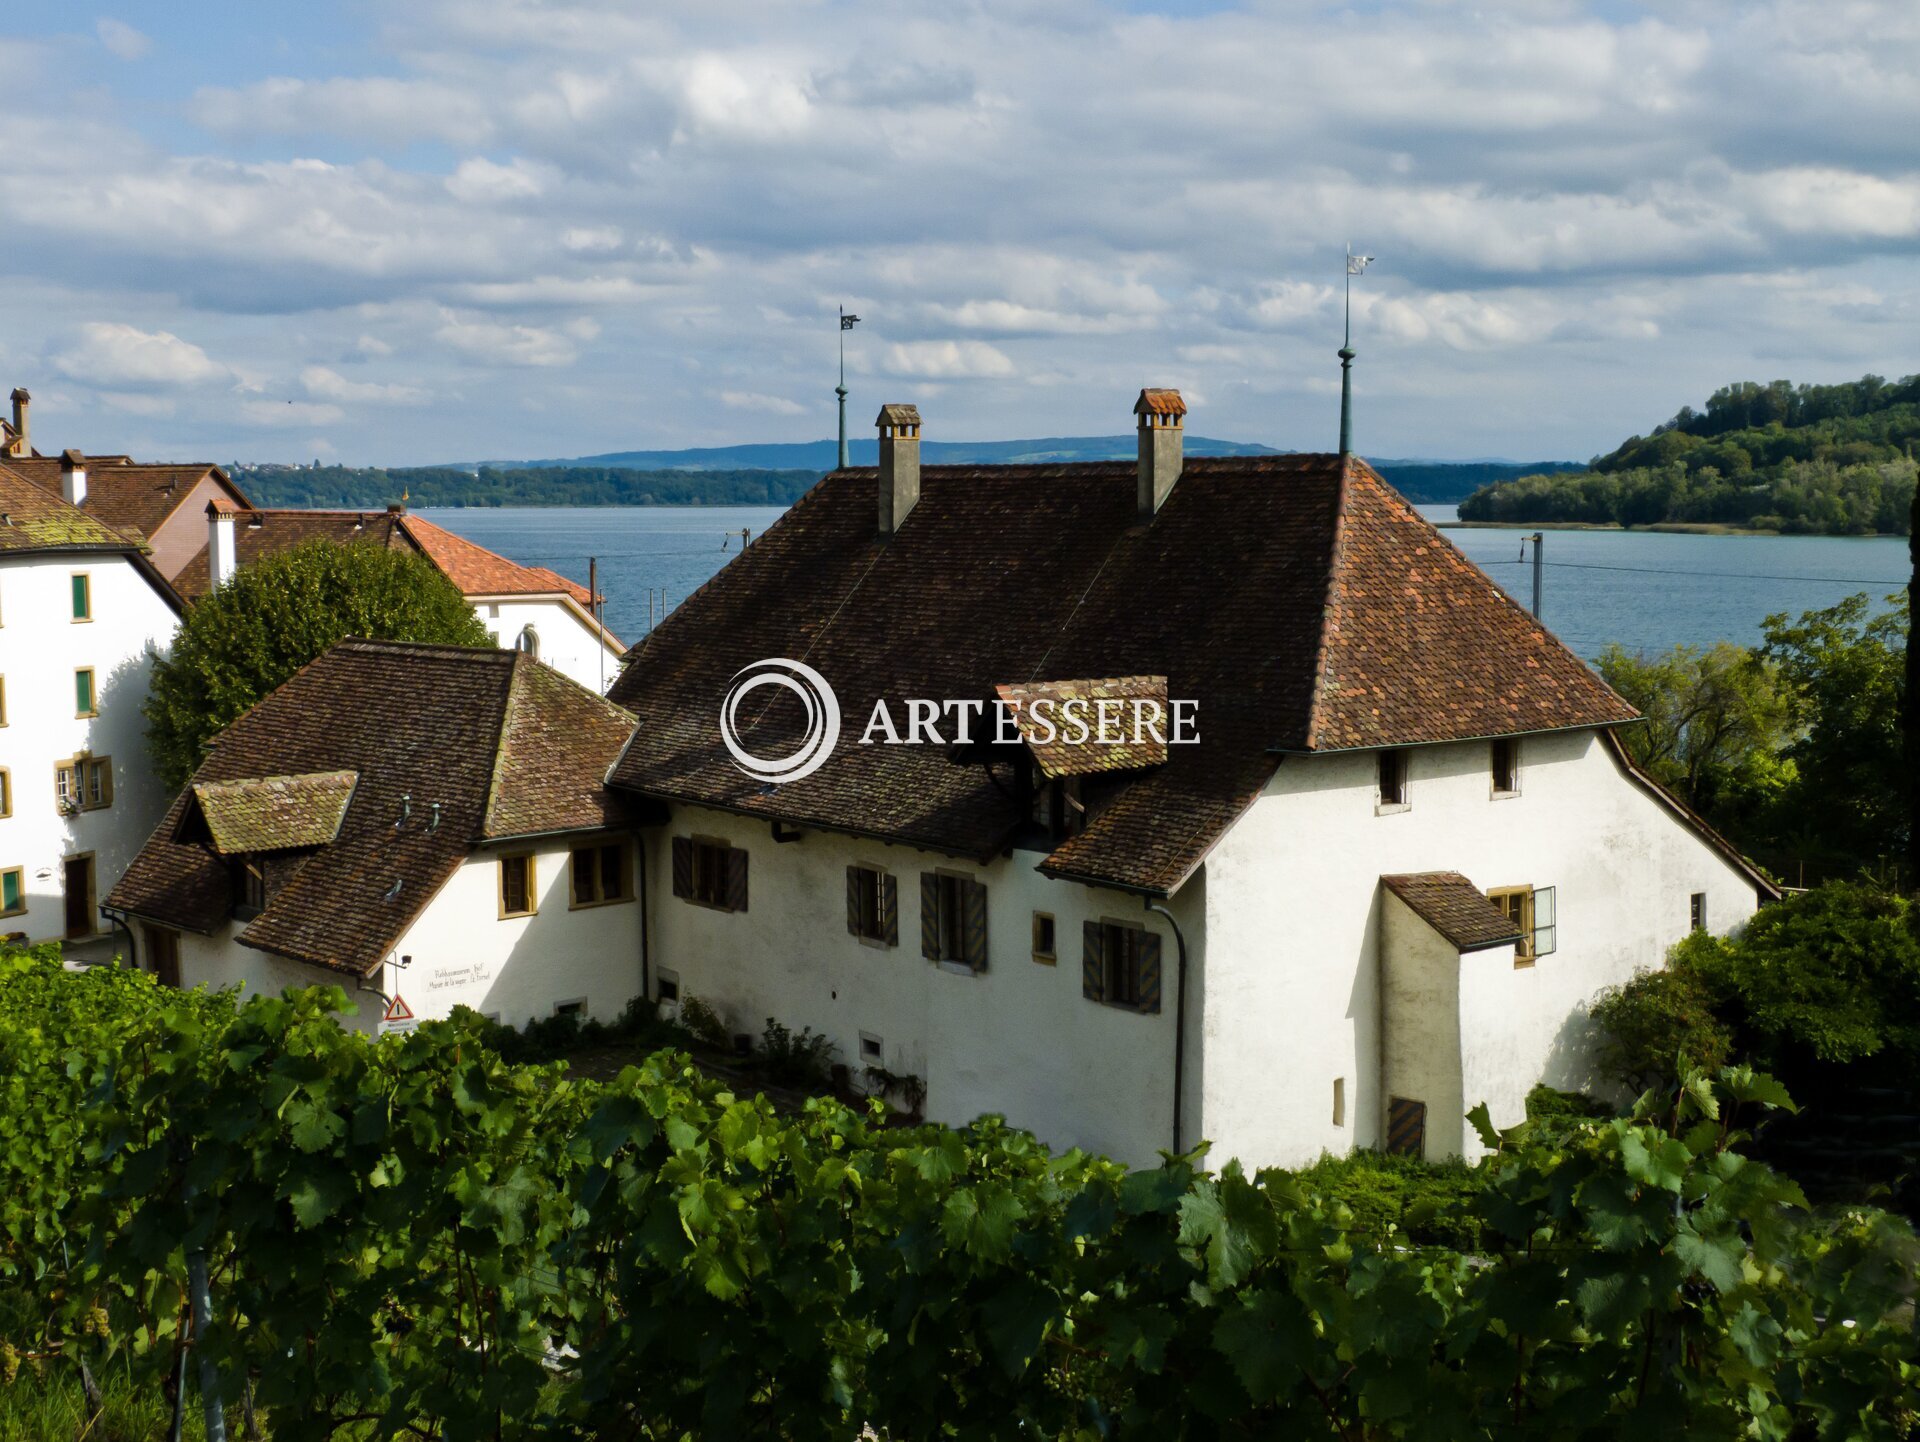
point(1179, 1017)
point(119, 919)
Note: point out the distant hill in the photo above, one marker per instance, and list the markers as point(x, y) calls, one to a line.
point(694, 478)
point(1827, 459)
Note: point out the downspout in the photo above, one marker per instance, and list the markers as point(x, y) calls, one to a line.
point(119, 919)
point(1179, 1016)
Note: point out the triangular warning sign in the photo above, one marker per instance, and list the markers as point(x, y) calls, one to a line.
point(397, 1010)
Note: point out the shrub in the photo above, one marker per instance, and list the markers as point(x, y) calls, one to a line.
point(1549, 1104)
point(1662, 1022)
point(705, 1024)
point(1431, 1202)
point(800, 1060)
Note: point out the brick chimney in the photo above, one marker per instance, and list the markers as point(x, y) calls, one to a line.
point(222, 557)
point(1163, 428)
point(899, 464)
point(73, 477)
point(19, 445)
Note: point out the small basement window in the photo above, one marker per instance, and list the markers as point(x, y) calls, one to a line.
point(1505, 767)
point(576, 1007)
point(667, 986)
point(1531, 909)
point(516, 886)
point(872, 1050)
point(1043, 939)
point(1393, 778)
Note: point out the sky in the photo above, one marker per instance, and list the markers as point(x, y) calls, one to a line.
point(456, 230)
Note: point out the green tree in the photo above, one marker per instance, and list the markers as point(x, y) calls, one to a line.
point(1715, 723)
point(1662, 1023)
point(276, 615)
point(1911, 702)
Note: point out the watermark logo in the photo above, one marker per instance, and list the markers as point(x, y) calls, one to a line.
point(820, 705)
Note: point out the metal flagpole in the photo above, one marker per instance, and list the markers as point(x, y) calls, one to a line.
point(1356, 265)
point(847, 323)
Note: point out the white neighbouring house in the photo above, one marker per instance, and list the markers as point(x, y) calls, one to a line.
point(83, 612)
point(1403, 856)
point(423, 825)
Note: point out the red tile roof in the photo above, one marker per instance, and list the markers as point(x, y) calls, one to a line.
point(1454, 907)
point(1047, 728)
point(133, 498)
point(505, 745)
point(1297, 600)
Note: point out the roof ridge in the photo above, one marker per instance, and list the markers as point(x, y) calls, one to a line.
point(436, 648)
point(1331, 600)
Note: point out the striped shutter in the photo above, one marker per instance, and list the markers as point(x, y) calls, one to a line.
point(853, 900)
point(890, 909)
point(683, 866)
point(1406, 1127)
point(929, 916)
point(1147, 957)
point(736, 879)
point(1093, 969)
point(973, 923)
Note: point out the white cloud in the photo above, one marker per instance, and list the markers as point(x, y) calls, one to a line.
point(754, 401)
point(113, 355)
point(380, 109)
point(329, 385)
point(121, 39)
point(592, 239)
point(510, 345)
point(289, 413)
point(947, 359)
point(481, 181)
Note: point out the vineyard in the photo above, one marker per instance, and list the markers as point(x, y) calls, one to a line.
point(412, 1238)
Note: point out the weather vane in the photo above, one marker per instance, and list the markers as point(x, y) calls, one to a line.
point(847, 323)
point(1356, 265)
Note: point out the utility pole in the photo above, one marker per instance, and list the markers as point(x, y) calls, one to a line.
point(847, 323)
point(1538, 537)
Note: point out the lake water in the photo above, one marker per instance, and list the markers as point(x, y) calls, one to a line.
point(1647, 591)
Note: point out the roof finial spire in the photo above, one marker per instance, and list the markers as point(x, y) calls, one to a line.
point(1356, 265)
point(847, 323)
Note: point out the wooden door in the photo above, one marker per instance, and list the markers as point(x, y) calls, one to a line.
point(78, 882)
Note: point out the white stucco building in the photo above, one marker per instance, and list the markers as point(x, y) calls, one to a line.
point(82, 615)
point(1383, 884)
point(422, 825)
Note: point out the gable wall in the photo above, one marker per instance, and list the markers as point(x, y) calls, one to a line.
point(567, 642)
point(183, 535)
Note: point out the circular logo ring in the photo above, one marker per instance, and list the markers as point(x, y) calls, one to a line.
point(822, 710)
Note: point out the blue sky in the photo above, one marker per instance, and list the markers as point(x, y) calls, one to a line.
point(461, 229)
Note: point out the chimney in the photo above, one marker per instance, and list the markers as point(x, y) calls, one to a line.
point(899, 464)
point(222, 558)
point(73, 477)
point(19, 445)
point(1163, 425)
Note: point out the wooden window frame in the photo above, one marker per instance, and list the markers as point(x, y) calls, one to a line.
point(93, 895)
point(93, 693)
point(1526, 916)
point(1697, 911)
point(3, 700)
point(1127, 976)
point(867, 924)
point(19, 874)
point(533, 886)
point(700, 859)
point(81, 592)
point(1340, 1101)
point(1511, 746)
point(947, 929)
point(72, 791)
point(1048, 954)
point(598, 888)
point(6, 792)
point(1397, 758)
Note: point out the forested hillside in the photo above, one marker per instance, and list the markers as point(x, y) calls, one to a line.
point(1834, 459)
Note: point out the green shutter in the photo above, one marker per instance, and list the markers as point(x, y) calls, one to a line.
point(890, 910)
point(929, 916)
point(736, 879)
point(82, 692)
point(82, 602)
point(1147, 957)
point(683, 866)
point(1093, 970)
point(973, 923)
point(9, 890)
point(853, 900)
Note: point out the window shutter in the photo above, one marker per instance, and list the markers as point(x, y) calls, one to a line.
point(683, 866)
point(1093, 970)
point(973, 923)
point(929, 916)
point(1147, 953)
point(853, 900)
point(736, 878)
point(1406, 1127)
point(890, 910)
point(1546, 931)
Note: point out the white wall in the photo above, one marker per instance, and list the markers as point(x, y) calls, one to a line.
point(567, 642)
point(1294, 930)
point(464, 953)
point(1018, 1039)
point(40, 648)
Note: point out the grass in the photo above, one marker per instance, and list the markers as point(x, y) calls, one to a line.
point(49, 1406)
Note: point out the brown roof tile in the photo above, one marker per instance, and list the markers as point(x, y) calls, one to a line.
point(38, 520)
point(274, 813)
point(420, 725)
point(1454, 907)
point(1045, 722)
point(128, 496)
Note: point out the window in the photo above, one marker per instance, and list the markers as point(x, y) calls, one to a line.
point(667, 987)
point(6, 792)
point(1697, 910)
point(82, 596)
point(528, 641)
point(953, 920)
point(76, 875)
point(873, 905)
point(1339, 1101)
point(1043, 943)
point(250, 887)
point(83, 784)
point(872, 1049)
point(601, 874)
point(3, 700)
point(83, 697)
point(576, 1007)
point(13, 891)
point(163, 954)
point(1393, 778)
point(516, 886)
point(1506, 774)
point(709, 872)
point(1121, 965)
point(1531, 909)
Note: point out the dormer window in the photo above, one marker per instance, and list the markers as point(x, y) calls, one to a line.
point(249, 890)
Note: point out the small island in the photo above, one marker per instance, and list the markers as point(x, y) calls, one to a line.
point(1833, 460)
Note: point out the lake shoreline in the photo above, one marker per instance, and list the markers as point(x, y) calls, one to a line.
point(1665, 528)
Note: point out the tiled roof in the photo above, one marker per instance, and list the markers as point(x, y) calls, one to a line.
point(1298, 601)
point(480, 572)
point(1049, 729)
point(1160, 403)
point(491, 737)
point(129, 497)
point(275, 813)
point(38, 520)
point(1454, 907)
point(263, 533)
